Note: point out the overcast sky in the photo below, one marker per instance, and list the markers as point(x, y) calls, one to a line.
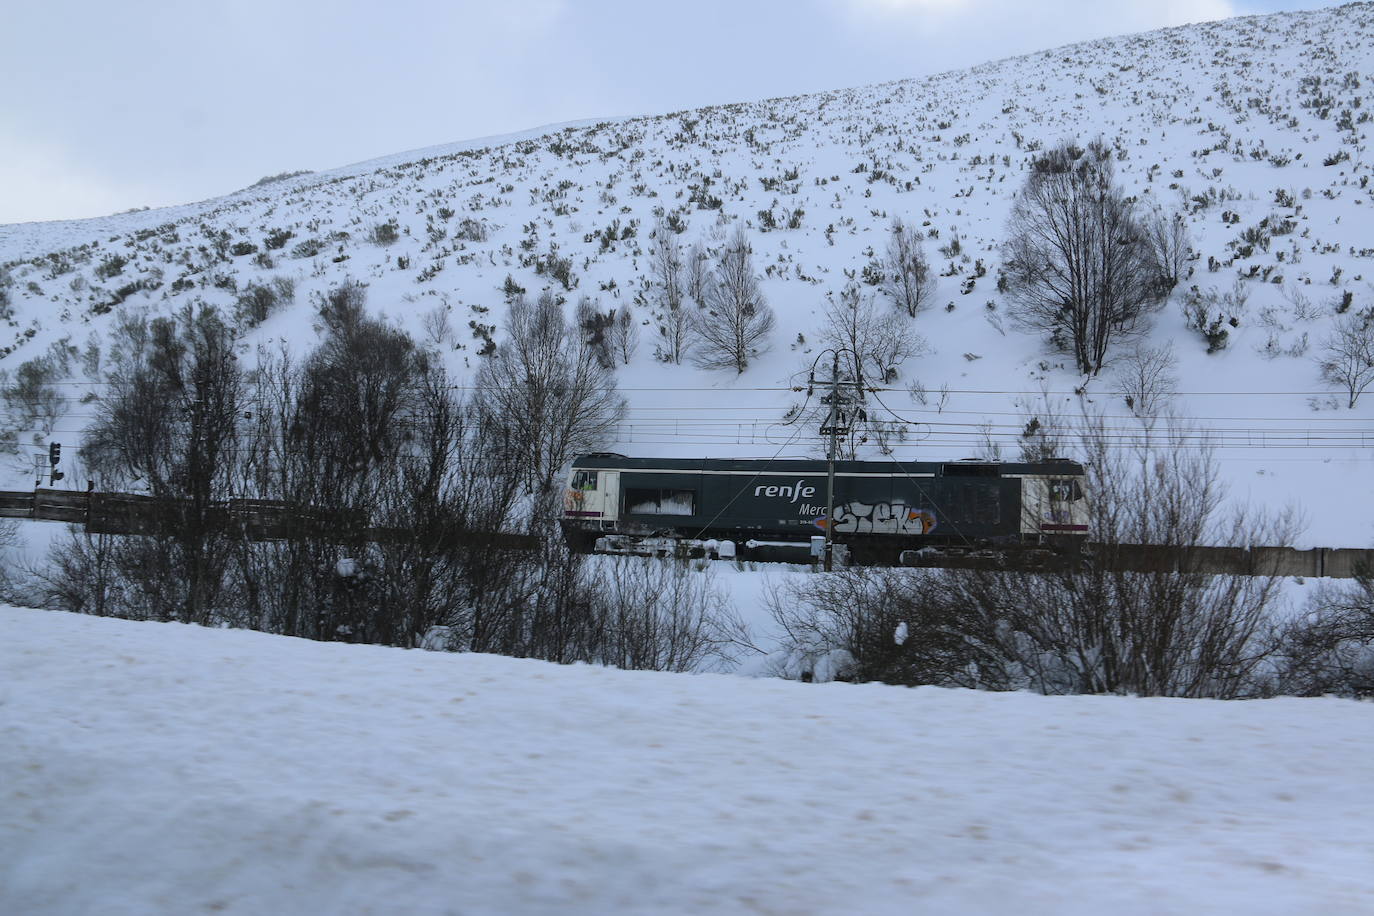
point(108, 105)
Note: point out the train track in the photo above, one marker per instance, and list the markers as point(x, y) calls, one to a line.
point(253, 519)
point(272, 520)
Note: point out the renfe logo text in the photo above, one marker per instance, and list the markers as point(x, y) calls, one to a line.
point(793, 493)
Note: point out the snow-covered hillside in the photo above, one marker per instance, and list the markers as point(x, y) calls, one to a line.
point(161, 768)
point(1255, 128)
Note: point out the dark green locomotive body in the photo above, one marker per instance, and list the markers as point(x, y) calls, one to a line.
point(889, 504)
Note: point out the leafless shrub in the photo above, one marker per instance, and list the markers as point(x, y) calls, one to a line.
point(81, 575)
point(11, 570)
point(734, 326)
point(874, 344)
point(1145, 379)
point(1086, 627)
point(437, 327)
point(1303, 308)
point(1212, 314)
point(659, 614)
point(698, 276)
point(1347, 356)
point(471, 230)
point(91, 355)
point(624, 335)
point(668, 277)
point(1170, 247)
point(343, 306)
point(1330, 649)
point(1045, 431)
point(259, 301)
point(384, 234)
point(1095, 628)
point(906, 276)
point(888, 625)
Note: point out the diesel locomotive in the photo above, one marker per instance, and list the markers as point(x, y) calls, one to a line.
point(883, 510)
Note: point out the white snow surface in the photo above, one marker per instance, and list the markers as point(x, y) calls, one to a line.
point(161, 768)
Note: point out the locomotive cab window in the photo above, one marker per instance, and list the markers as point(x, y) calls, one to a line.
point(644, 501)
point(584, 480)
point(1066, 491)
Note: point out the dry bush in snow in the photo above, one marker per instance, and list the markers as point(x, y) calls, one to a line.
point(1347, 356)
point(1145, 379)
point(660, 614)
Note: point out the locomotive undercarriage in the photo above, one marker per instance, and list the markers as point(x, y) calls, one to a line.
point(1014, 552)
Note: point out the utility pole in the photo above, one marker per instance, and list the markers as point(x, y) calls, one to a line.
point(830, 463)
point(836, 425)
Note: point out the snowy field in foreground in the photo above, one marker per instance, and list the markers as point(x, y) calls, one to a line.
point(160, 768)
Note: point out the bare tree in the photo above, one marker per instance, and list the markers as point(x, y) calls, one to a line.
point(1145, 379)
point(437, 563)
point(34, 395)
point(874, 344)
point(734, 326)
point(437, 327)
point(1347, 357)
point(170, 419)
point(329, 439)
point(1170, 247)
point(1077, 261)
point(545, 397)
point(624, 334)
point(699, 276)
point(871, 346)
point(668, 277)
point(385, 544)
point(907, 278)
point(667, 267)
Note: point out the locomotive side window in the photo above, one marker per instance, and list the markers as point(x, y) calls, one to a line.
point(971, 469)
point(644, 501)
point(1066, 491)
point(584, 480)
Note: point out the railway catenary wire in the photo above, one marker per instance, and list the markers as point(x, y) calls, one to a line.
point(955, 441)
point(797, 389)
point(1130, 426)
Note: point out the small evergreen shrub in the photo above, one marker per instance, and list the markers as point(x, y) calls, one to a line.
point(278, 238)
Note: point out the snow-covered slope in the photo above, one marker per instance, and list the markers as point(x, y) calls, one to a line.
point(1256, 128)
point(160, 768)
